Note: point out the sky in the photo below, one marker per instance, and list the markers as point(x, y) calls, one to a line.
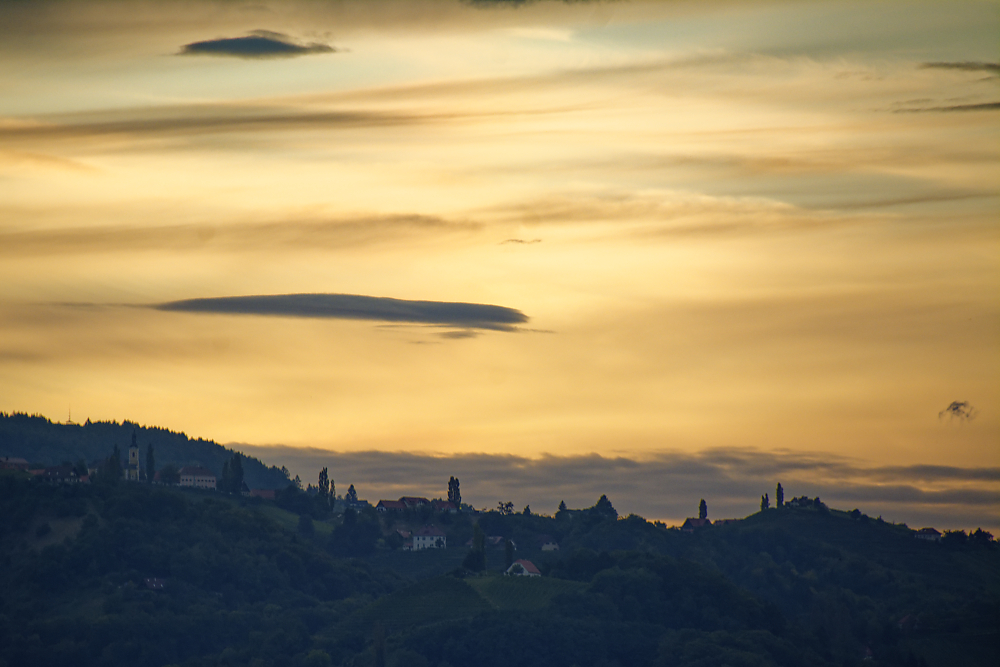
point(663, 250)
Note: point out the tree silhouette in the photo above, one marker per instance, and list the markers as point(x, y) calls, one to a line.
point(352, 495)
point(454, 493)
point(169, 474)
point(475, 560)
point(779, 496)
point(150, 463)
point(527, 510)
point(324, 484)
point(508, 549)
point(702, 509)
point(505, 508)
point(765, 502)
point(605, 508)
point(232, 475)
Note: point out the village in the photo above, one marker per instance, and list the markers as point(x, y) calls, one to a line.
point(409, 523)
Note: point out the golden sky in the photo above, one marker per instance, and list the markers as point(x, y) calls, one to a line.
point(765, 227)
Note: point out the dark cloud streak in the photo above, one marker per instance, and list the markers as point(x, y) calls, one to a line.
point(356, 307)
point(965, 66)
point(256, 45)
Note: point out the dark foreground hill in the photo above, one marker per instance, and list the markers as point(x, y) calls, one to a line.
point(40, 441)
point(132, 574)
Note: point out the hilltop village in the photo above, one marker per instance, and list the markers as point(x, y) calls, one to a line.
point(409, 523)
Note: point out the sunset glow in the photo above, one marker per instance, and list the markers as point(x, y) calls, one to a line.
point(739, 234)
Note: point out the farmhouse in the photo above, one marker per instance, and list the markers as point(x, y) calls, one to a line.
point(390, 505)
point(197, 477)
point(547, 543)
point(691, 525)
point(429, 537)
point(928, 534)
point(11, 463)
point(523, 568)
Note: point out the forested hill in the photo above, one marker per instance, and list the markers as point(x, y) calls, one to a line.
point(40, 441)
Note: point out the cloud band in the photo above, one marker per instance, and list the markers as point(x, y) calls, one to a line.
point(357, 307)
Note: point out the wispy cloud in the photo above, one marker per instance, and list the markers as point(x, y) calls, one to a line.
point(961, 410)
point(356, 307)
point(257, 44)
point(665, 485)
point(965, 66)
point(246, 236)
point(982, 106)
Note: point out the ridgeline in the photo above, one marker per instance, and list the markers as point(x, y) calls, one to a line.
point(46, 443)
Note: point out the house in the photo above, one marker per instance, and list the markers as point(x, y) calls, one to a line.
point(198, 477)
point(547, 543)
point(11, 463)
point(523, 568)
point(691, 525)
point(60, 475)
point(429, 537)
point(444, 506)
point(928, 534)
point(495, 541)
point(154, 583)
point(410, 502)
point(802, 502)
point(722, 522)
point(357, 505)
point(390, 505)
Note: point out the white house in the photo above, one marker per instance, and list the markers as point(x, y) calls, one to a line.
point(429, 537)
point(523, 568)
point(929, 534)
point(198, 477)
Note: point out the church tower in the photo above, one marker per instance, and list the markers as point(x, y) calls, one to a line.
point(132, 470)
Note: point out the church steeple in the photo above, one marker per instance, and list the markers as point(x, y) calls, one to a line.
point(132, 471)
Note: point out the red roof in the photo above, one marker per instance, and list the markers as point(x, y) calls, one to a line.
point(443, 505)
point(411, 501)
point(928, 531)
point(391, 505)
point(691, 524)
point(528, 566)
point(430, 531)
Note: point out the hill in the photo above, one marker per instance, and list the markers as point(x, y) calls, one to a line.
point(132, 574)
point(41, 441)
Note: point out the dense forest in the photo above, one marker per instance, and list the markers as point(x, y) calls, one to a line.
point(45, 443)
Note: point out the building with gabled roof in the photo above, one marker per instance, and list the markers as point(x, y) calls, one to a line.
point(928, 534)
point(390, 506)
point(523, 568)
point(12, 463)
point(429, 537)
point(198, 477)
point(444, 506)
point(691, 525)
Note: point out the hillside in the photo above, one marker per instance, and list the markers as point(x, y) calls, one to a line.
point(291, 582)
point(40, 441)
point(76, 562)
